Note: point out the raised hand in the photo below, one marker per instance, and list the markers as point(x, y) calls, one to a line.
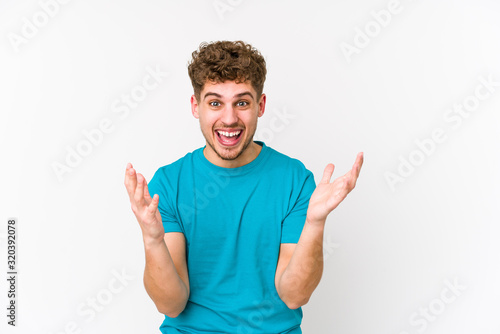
point(144, 207)
point(327, 196)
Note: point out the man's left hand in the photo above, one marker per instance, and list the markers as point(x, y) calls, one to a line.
point(327, 196)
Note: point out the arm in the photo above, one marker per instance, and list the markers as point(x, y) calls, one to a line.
point(300, 266)
point(165, 275)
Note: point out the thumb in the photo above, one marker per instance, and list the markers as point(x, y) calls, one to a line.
point(327, 174)
point(153, 206)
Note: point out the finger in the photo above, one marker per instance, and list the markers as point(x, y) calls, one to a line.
point(327, 174)
point(130, 180)
point(139, 191)
point(360, 159)
point(147, 196)
point(356, 169)
point(355, 166)
point(129, 165)
point(153, 206)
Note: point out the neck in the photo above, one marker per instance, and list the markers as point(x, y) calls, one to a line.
point(250, 153)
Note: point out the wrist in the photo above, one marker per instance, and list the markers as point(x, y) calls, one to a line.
point(315, 222)
point(150, 243)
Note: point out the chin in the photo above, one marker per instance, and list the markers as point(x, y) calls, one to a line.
point(232, 153)
point(229, 153)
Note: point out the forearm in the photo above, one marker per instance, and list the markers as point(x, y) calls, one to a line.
point(162, 282)
point(304, 271)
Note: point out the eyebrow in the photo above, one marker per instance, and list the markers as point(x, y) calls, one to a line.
point(220, 96)
point(243, 94)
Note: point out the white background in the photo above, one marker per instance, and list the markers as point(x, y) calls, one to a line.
point(389, 248)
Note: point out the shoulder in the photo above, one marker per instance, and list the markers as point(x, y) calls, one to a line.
point(288, 172)
point(177, 165)
point(169, 174)
point(286, 162)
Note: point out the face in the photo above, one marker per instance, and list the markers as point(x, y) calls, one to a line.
point(228, 114)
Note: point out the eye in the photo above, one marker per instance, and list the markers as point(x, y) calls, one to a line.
point(242, 104)
point(215, 104)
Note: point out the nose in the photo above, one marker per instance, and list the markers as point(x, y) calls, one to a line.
point(229, 115)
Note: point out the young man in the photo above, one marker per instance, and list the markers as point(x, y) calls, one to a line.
point(233, 235)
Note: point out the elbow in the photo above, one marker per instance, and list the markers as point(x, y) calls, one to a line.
point(293, 300)
point(170, 305)
point(173, 314)
point(296, 303)
point(169, 312)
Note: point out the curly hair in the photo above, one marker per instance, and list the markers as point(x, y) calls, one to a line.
point(225, 60)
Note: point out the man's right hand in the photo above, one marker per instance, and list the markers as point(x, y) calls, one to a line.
point(144, 207)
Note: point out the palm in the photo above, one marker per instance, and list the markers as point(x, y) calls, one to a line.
point(327, 196)
point(145, 208)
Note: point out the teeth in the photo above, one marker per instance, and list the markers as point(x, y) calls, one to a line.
point(229, 134)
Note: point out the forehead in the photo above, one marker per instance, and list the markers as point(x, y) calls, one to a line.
point(227, 89)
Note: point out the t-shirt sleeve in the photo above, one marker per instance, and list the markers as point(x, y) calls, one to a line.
point(160, 185)
point(294, 221)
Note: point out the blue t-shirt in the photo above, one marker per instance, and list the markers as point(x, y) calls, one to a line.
point(234, 220)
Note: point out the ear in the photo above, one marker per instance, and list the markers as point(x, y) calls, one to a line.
point(194, 107)
point(262, 105)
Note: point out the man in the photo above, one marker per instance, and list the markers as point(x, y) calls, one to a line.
point(233, 235)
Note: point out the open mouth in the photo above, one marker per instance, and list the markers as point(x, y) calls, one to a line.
point(229, 138)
